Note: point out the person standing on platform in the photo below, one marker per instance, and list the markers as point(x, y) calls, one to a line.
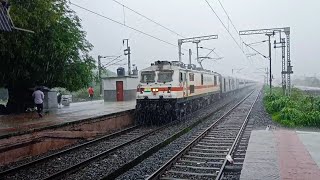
point(59, 97)
point(38, 100)
point(91, 92)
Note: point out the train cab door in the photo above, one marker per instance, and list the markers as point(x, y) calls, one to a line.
point(185, 85)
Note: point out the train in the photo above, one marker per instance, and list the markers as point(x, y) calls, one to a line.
point(170, 90)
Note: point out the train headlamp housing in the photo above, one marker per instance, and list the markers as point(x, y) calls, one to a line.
point(169, 89)
point(141, 90)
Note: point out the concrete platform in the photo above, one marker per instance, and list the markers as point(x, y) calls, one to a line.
point(12, 124)
point(282, 154)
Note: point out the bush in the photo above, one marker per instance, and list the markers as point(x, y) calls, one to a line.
point(290, 114)
point(298, 110)
point(277, 105)
point(311, 119)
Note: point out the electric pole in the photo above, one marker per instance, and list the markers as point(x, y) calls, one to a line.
point(127, 52)
point(190, 54)
point(282, 42)
point(99, 72)
point(197, 43)
point(270, 72)
point(272, 31)
point(267, 73)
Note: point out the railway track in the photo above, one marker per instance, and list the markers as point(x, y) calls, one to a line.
point(90, 151)
point(61, 164)
point(217, 150)
point(201, 122)
point(56, 171)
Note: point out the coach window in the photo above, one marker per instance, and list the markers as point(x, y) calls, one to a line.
point(181, 77)
point(191, 77)
point(201, 79)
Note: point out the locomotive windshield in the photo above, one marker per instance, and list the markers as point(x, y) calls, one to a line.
point(165, 76)
point(147, 76)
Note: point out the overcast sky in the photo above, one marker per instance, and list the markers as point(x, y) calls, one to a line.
point(194, 18)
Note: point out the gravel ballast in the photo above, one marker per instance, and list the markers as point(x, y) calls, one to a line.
point(151, 164)
point(261, 119)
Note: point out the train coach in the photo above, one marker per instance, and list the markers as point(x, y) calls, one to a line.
point(170, 90)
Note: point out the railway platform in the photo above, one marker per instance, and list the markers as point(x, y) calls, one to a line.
point(282, 154)
point(24, 123)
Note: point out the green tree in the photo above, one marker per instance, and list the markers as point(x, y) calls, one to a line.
point(56, 55)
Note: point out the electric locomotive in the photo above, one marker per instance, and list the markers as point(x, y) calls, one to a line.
point(170, 90)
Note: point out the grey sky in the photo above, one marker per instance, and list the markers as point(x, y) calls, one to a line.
point(195, 18)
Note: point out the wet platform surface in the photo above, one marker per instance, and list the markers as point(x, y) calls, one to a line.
point(282, 154)
point(76, 111)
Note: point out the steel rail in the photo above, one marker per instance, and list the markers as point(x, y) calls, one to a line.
point(81, 164)
point(146, 153)
point(237, 139)
point(155, 148)
point(76, 167)
point(174, 159)
point(42, 159)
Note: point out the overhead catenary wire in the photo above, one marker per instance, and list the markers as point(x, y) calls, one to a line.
point(120, 60)
point(113, 60)
point(172, 31)
point(117, 22)
point(241, 40)
point(230, 20)
point(225, 26)
point(255, 50)
point(211, 50)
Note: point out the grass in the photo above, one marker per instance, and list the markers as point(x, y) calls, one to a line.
point(298, 110)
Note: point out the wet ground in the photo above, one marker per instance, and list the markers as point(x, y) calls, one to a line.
point(74, 112)
point(282, 154)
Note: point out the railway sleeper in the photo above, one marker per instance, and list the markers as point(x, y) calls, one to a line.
point(195, 169)
point(189, 175)
point(213, 150)
point(207, 154)
point(213, 146)
point(200, 163)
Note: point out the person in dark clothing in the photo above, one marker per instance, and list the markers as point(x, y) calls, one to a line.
point(59, 97)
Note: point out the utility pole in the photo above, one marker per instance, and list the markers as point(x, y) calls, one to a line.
point(190, 54)
point(289, 67)
point(99, 72)
point(127, 52)
point(194, 40)
point(197, 43)
point(282, 42)
point(267, 32)
point(270, 72)
point(267, 73)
